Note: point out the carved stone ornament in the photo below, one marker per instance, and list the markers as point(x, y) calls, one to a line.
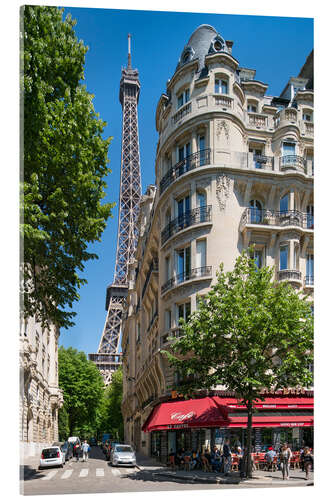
point(222, 126)
point(223, 186)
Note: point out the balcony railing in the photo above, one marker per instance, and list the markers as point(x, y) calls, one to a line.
point(263, 162)
point(189, 218)
point(292, 161)
point(185, 110)
point(153, 267)
point(195, 160)
point(276, 218)
point(290, 275)
point(309, 280)
point(199, 272)
point(256, 120)
point(224, 101)
point(173, 333)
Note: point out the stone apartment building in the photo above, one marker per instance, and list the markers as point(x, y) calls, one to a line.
point(234, 167)
point(40, 396)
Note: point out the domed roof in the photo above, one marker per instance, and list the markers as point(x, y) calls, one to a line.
point(204, 40)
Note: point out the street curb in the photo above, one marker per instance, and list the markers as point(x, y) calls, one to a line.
point(193, 479)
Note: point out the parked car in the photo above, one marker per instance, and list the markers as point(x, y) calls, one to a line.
point(52, 456)
point(68, 449)
point(123, 454)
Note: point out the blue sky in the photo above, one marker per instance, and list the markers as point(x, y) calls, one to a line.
point(275, 46)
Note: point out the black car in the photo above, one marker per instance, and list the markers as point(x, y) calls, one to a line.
point(67, 448)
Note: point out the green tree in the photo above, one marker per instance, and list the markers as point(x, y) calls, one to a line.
point(111, 419)
point(83, 385)
point(248, 333)
point(65, 161)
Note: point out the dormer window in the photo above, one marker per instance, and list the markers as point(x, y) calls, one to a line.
point(221, 86)
point(183, 98)
point(218, 46)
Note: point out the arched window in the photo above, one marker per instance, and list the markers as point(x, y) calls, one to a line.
point(256, 211)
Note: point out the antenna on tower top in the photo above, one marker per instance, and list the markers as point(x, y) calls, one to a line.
point(129, 62)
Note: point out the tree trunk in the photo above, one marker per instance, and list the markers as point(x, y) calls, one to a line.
point(248, 465)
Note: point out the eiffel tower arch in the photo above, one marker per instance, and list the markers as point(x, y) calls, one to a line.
point(108, 357)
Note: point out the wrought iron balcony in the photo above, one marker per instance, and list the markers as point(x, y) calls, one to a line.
point(152, 268)
point(292, 161)
point(263, 162)
point(289, 275)
point(309, 280)
point(195, 160)
point(189, 218)
point(277, 218)
point(199, 272)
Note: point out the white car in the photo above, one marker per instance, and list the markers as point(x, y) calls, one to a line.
point(123, 454)
point(52, 456)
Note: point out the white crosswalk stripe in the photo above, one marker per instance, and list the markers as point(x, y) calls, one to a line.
point(50, 475)
point(84, 473)
point(67, 474)
point(99, 472)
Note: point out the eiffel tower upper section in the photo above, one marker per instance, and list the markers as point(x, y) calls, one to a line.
point(108, 358)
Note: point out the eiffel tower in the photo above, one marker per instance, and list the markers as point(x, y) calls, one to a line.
point(108, 357)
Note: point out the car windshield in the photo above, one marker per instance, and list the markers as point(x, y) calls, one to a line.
point(50, 452)
point(124, 448)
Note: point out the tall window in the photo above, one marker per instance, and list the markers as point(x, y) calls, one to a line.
point(221, 86)
point(252, 108)
point(309, 216)
point(284, 203)
point(309, 266)
point(257, 153)
point(183, 211)
point(258, 257)
point(284, 250)
point(256, 211)
point(201, 204)
point(202, 146)
point(201, 253)
point(183, 156)
point(183, 263)
point(183, 311)
point(183, 98)
point(295, 262)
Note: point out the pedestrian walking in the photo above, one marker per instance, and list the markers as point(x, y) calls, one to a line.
point(307, 461)
point(76, 451)
point(227, 457)
point(285, 457)
point(85, 450)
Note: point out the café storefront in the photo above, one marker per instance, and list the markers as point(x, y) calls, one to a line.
point(200, 423)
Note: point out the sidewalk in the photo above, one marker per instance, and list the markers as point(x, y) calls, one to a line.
point(297, 477)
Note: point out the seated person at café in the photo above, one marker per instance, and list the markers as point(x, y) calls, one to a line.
point(270, 455)
point(216, 459)
point(179, 459)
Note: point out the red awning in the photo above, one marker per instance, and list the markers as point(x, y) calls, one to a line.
point(203, 412)
point(272, 421)
point(269, 403)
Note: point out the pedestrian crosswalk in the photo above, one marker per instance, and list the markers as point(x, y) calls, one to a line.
point(99, 472)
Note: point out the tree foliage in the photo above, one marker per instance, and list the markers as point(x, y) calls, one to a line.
point(111, 419)
point(248, 333)
point(83, 385)
point(65, 161)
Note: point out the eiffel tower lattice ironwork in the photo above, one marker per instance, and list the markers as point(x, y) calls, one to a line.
point(108, 358)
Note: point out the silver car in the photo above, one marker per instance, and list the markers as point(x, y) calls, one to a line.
point(52, 456)
point(123, 454)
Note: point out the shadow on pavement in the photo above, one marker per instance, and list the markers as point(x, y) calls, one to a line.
point(27, 473)
point(161, 475)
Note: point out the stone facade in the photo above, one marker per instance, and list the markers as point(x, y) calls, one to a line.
point(234, 167)
point(40, 396)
